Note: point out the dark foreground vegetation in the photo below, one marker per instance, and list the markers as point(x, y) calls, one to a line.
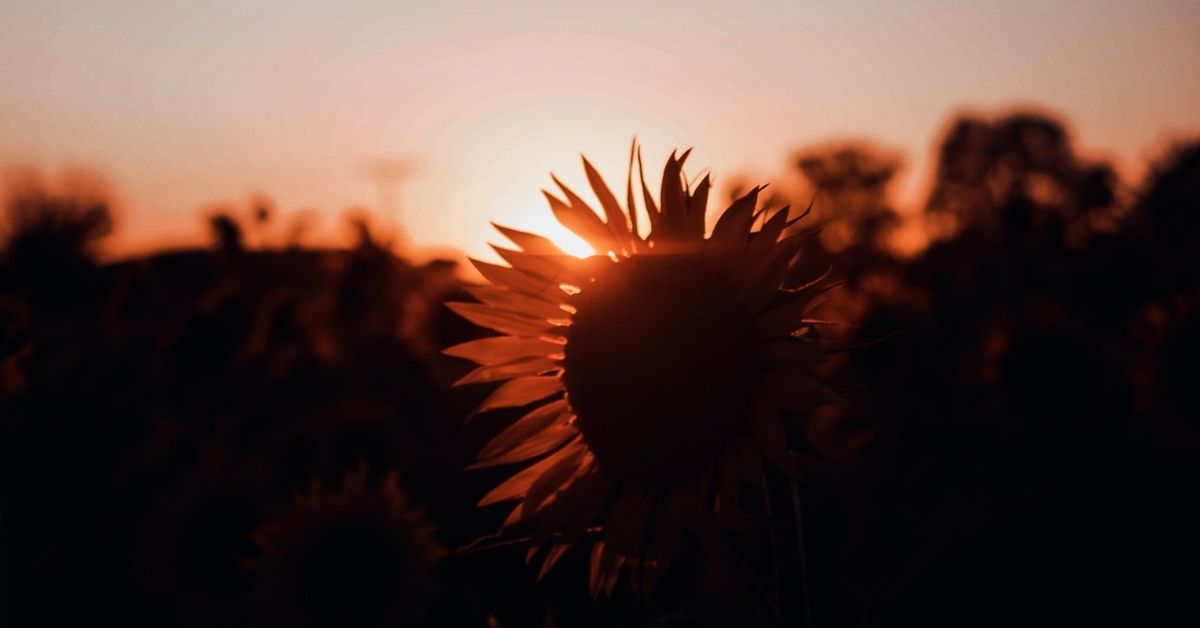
point(236, 436)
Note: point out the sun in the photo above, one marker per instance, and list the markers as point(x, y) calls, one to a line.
point(659, 372)
point(538, 221)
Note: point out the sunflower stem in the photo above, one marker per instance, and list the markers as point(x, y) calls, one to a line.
point(777, 601)
point(798, 513)
point(763, 605)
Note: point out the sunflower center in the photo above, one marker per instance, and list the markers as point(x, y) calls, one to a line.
point(659, 367)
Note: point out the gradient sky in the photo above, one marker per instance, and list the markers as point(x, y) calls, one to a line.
point(183, 104)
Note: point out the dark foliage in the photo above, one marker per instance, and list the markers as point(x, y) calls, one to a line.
point(1015, 444)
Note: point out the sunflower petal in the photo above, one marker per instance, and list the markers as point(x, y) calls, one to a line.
point(773, 227)
point(521, 391)
point(652, 572)
point(613, 214)
point(577, 508)
point(633, 218)
point(652, 211)
point(734, 224)
point(612, 568)
point(515, 486)
point(517, 302)
point(552, 480)
point(697, 204)
point(527, 426)
point(555, 553)
point(498, 372)
point(503, 349)
point(672, 514)
point(555, 269)
point(625, 526)
point(674, 199)
point(529, 242)
point(501, 321)
point(595, 574)
point(536, 445)
point(581, 219)
point(521, 282)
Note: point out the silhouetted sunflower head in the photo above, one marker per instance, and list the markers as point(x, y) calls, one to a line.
point(659, 369)
point(353, 556)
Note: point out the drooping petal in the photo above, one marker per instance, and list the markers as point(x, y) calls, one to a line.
point(625, 526)
point(577, 508)
point(605, 568)
point(537, 444)
point(552, 480)
point(596, 569)
point(672, 514)
point(650, 575)
point(552, 557)
point(515, 486)
point(528, 427)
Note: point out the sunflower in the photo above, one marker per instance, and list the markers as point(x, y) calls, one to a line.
point(354, 555)
point(659, 368)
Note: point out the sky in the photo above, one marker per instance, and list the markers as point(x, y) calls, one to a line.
point(183, 105)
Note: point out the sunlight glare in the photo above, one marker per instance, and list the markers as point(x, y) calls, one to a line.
point(543, 223)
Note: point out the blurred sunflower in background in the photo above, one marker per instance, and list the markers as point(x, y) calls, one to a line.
point(659, 368)
point(356, 555)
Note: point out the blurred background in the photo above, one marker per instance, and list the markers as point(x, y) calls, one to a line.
point(229, 227)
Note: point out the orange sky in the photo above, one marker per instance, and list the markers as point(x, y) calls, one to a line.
point(194, 103)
